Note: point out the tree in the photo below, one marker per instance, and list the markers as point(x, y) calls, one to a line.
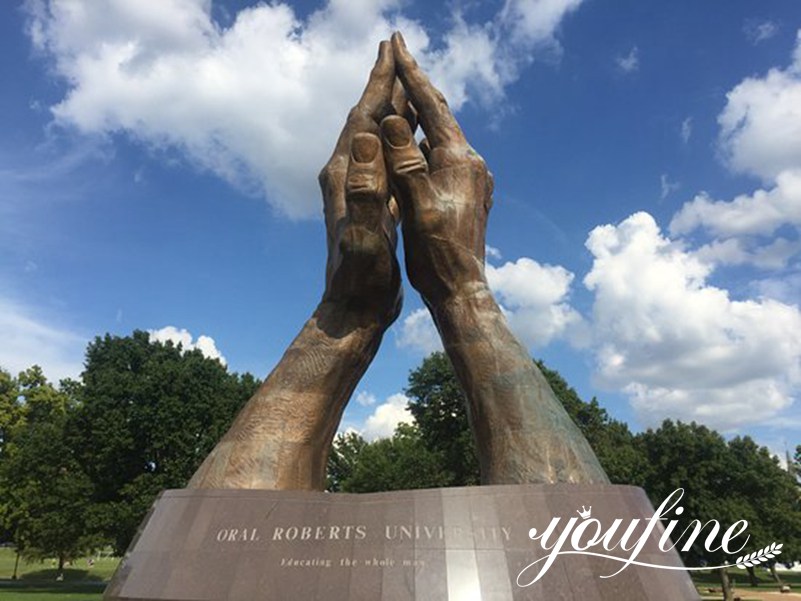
point(615, 446)
point(147, 415)
point(45, 491)
point(438, 406)
point(773, 495)
point(698, 460)
point(402, 462)
point(439, 410)
point(345, 455)
point(11, 409)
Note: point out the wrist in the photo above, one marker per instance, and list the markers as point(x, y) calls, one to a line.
point(467, 295)
point(340, 318)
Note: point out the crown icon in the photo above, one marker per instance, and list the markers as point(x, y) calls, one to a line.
point(584, 513)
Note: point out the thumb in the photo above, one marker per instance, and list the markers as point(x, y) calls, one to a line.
point(407, 166)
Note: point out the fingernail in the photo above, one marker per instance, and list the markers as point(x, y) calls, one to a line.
point(396, 131)
point(399, 35)
point(364, 148)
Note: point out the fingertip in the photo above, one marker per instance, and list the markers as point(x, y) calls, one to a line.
point(364, 147)
point(397, 38)
point(399, 47)
point(396, 132)
point(384, 50)
point(386, 57)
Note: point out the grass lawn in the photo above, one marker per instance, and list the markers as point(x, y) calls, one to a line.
point(37, 580)
point(23, 590)
point(739, 578)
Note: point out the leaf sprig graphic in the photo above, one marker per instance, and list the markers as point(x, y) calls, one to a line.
point(757, 557)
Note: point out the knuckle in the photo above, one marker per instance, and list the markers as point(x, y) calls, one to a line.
point(475, 159)
point(408, 166)
point(324, 176)
point(362, 183)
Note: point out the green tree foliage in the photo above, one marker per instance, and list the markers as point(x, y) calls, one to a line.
point(771, 492)
point(147, 415)
point(613, 443)
point(10, 407)
point(345, 455)
point(441, 428)
point(402, 462)
point(438, 406)
point(722, 481)
point(696, 459)
point(44, 488)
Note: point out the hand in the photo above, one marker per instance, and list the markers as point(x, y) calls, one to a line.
point(362, 273)
point(443, 188)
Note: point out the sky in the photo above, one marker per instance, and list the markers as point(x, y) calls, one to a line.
point(158, 172)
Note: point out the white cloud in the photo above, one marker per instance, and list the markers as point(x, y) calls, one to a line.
point(630, 62)
point(28, 340)
point(260, 102)
point(759, 31)
point(738, 251)
point(786, 288)
point(418, 332)
point(678, 346)
point(760, 213)
point(761, 123)
point(536, 20)
point(687, 129)
point(760, 133)
point(667, 186)
point(365, 399)
point(534, 299)
point(492, 253)
point(205, 344)
point(386, 417)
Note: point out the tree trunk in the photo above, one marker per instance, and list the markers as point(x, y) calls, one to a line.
point(752, 577)
point(773, 572)
point(728, 593)
point(16, 565)
point(60, 574)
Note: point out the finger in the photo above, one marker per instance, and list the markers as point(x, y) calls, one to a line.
point(394, 210)
point(407, 166)
point(364, 117)
point(366, 186)
point(375, 103)
point(425, 147)
point(376, 100)
point(438, 122)
point(401, 105)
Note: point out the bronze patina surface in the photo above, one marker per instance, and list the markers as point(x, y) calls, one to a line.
point(458, 544)
point(441, 191)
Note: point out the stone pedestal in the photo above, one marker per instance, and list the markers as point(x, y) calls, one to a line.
point(458, 544)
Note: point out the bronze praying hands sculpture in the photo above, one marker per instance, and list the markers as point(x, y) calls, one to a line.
point(441, 192)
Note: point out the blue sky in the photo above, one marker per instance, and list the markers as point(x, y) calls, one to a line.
point(158, 171)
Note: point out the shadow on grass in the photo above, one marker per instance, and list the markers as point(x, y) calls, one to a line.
point(32, 586)
point(70, 575)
